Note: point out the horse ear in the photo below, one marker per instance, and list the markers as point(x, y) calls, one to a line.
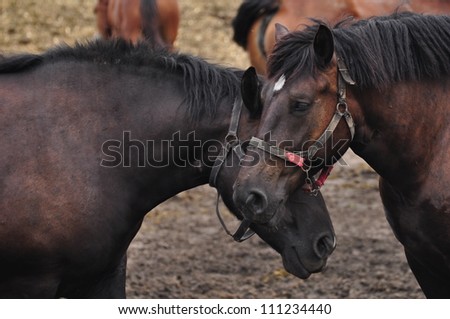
point(251, 92)
point(324, 45)
point(280, 31)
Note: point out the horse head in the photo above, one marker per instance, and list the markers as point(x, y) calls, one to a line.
point(306, 125)
point(302, 232)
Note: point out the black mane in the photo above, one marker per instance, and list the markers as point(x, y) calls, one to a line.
point(378, 52)
point(250, 11)
point(205, 84)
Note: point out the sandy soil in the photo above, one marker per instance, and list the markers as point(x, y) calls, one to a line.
point(181, 250)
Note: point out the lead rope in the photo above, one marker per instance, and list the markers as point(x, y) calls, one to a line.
point(242, 233)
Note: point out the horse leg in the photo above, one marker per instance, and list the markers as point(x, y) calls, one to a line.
point(169, 19)
point(112, 285)
point(432, 286)
point(30, 286)
point(101, 12)
point(129, 26)
point(108, 285)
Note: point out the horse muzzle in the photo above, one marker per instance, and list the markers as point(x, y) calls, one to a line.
point(302, 264)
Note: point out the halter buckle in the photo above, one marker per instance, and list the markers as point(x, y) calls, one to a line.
point(342, 108)
point(231, 139)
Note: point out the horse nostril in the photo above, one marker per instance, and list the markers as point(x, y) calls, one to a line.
point(324, 246)
point(257, 201)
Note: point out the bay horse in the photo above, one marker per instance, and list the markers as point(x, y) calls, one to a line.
point(254, 24)
point(95, 136)
point(153, 20)
point(381, 87)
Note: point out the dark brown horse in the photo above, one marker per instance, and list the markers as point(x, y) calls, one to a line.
point(153, 20)
point(254, 24)
point(94, 137)
point(382, 87)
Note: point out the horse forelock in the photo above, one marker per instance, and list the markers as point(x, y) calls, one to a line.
point(293, 55)
point(378, 52)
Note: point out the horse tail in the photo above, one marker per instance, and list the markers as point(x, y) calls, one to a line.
point(101, 13)
point(248, 13)
point(150, 22)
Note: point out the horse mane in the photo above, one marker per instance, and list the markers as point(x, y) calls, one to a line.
point(379, 51)
point(19, 62)
point(205, 84)
point(248, 12)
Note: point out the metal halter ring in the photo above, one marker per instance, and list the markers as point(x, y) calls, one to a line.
point(342, 108)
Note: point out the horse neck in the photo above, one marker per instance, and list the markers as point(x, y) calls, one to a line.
point(186, 153)
point(402, 131)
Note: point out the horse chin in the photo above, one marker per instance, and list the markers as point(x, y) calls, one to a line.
point(293, 264)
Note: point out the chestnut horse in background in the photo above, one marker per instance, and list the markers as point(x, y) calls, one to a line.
point(153, 20)
point(254, 24)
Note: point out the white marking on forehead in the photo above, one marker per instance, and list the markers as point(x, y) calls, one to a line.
point(280, 83)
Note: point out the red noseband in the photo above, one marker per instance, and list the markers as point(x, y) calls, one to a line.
point(294, 158)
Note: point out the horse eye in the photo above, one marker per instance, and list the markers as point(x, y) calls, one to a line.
point(299, 106)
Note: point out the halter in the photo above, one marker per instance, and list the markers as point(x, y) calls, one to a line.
point(232, 143)
point(299, 158)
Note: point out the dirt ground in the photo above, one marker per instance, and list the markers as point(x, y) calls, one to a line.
point(181, 250)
